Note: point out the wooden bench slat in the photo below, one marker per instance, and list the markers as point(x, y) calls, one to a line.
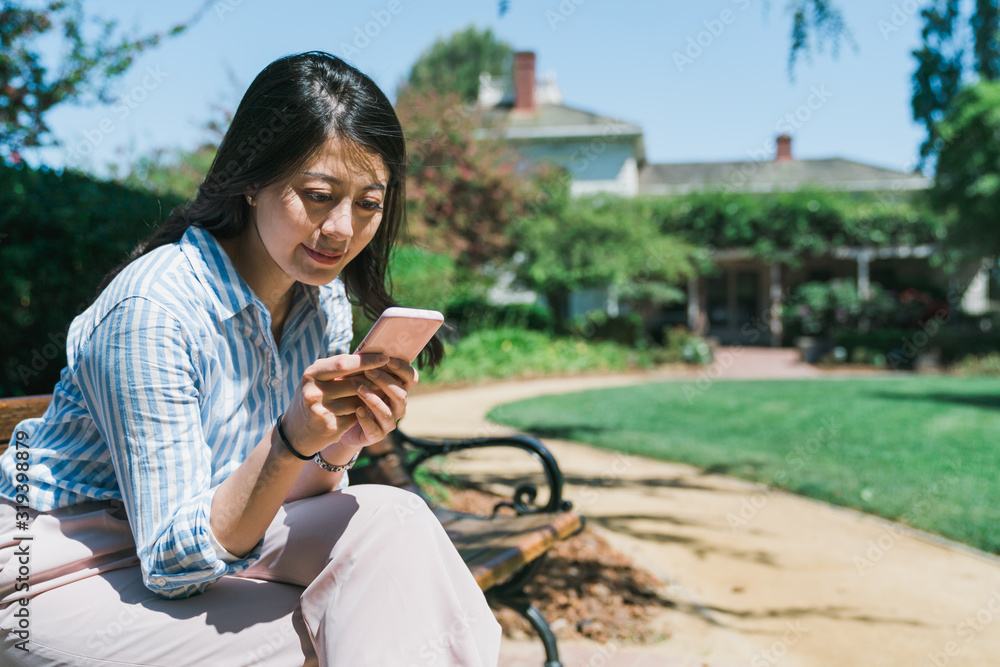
point(17, 409)
point(494, 549)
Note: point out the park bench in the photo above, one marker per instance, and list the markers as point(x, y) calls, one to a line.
point(503, 551)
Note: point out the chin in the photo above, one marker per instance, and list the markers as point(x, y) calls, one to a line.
point(319, 280)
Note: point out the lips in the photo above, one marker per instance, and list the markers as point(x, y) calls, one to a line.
point(323, 257)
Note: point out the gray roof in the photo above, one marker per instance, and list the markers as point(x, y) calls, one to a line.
point(558, 122)
point(770, 175)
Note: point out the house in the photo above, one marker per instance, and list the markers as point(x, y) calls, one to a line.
point(745, 290)
point(603, 154)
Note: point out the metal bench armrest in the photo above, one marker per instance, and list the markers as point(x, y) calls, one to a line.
point(524, 494)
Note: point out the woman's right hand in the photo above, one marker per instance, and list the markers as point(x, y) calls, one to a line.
point(326, 402)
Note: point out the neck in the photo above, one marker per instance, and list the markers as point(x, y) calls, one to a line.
point(271, 285)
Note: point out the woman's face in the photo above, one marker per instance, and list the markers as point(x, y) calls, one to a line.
point(313, 224)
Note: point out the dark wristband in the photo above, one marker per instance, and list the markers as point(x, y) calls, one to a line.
point(288, 445)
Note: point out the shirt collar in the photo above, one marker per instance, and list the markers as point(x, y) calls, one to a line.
point(217, 273)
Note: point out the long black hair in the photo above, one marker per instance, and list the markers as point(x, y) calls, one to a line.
point(293, 107)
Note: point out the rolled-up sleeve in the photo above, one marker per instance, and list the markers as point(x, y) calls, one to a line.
point(140, 369)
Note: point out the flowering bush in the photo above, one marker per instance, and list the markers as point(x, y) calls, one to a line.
point(823, 308)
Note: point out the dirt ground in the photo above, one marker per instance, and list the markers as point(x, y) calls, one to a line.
point(751, 576)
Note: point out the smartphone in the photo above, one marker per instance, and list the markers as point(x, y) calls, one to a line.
point(402, 332)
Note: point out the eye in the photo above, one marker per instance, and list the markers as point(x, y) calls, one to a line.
point(370, 205)
point(318, 196)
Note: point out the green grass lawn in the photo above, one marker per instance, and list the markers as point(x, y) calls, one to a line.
point(924, 450)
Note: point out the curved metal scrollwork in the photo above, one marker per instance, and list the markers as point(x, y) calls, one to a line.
point(525, 494)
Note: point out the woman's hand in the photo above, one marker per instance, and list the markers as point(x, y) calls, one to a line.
point(349, 399)
point(383, 390)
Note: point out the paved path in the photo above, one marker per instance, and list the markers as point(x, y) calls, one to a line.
point(759, 577)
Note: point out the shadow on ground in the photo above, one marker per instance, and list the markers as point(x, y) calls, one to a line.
point(988, 401)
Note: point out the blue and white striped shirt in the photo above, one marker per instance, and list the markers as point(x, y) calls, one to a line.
point(173, 377)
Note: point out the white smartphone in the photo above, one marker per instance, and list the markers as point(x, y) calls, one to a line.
point(401, 332)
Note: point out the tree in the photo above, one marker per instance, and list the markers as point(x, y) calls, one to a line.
point(454, 64)
point(29, 89)
point(168, 171)
point(599, 242)
point(967, 183)
point(816, 24)
point(463, 192)
point(942, 62)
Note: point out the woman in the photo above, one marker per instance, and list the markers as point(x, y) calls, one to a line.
point(185, 500)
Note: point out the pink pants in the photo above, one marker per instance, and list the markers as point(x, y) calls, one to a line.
point(364, 576)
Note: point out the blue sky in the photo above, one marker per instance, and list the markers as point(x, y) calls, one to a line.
point(706, 79)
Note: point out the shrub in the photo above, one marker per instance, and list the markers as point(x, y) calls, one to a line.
point(62, 232)
point(622, 329)
point(823, 308)
point(511, 352)
point(471, 312)
point(420, 279)
point(987, 364)
point(683, 345)
point(899, 348)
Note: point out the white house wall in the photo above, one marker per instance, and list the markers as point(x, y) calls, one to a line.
point(595, 165)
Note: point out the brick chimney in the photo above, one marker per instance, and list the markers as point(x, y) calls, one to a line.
point(784, 153)
point(524, 81)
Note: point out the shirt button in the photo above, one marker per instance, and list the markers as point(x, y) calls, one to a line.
point(159, 581)
point(275, 382)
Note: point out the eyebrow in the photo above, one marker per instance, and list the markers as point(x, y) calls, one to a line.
point(337, 181)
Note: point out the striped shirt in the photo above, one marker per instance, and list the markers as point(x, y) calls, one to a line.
point(172, 378)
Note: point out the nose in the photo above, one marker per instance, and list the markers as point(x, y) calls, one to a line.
point(339, 224)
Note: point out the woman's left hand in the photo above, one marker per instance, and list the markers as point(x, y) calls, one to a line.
point(383, 391)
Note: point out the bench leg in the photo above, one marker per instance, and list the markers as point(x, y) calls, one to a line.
point(511, 594)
